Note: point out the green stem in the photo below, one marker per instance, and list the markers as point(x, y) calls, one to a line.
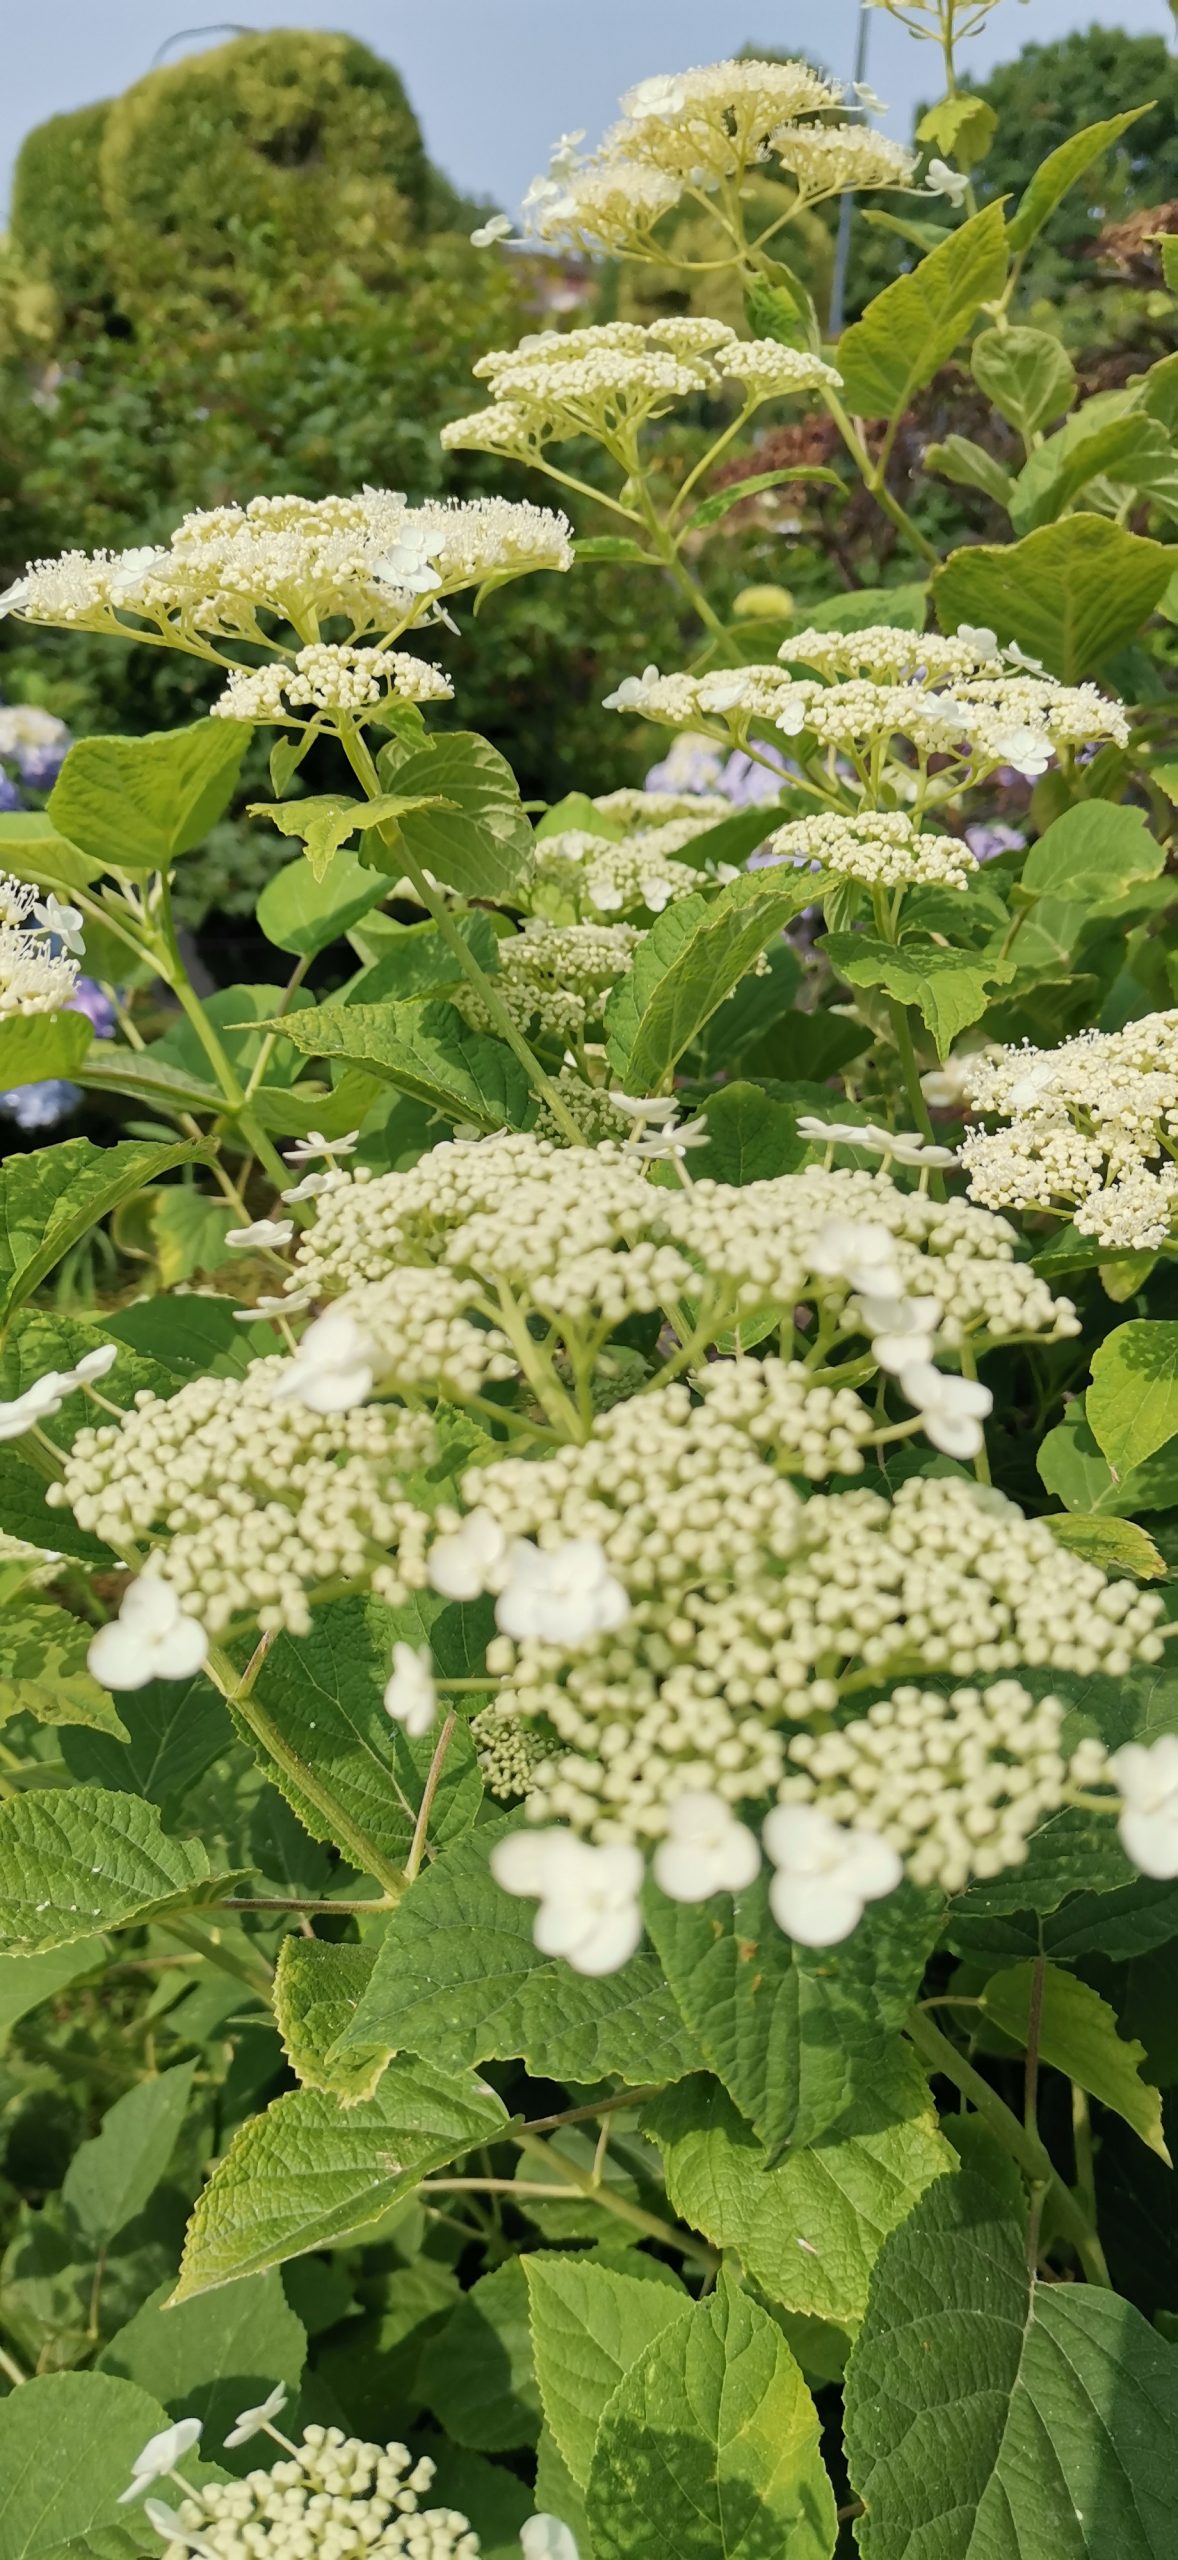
point(902, 1034)
point(688, 2243)
point(1022, 2144)
point(429, 1791)
point(435, 904)
point(167, 956)
point(209, 1943)
point(875, 486)
point(237, 1690)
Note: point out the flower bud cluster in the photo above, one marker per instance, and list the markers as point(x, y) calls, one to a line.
point(587, 876)
point(326, 678)
point(644, 809)
point(336, 2497)
point(608, 380)
point(34, 978)
point(258, 1498)
point(956, 1783)
point(372, 560)
point(883, 849)
point(1092, 1127)
point(556, 975)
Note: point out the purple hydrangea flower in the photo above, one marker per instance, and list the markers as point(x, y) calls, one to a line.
point(9, 795)
point(985, 842)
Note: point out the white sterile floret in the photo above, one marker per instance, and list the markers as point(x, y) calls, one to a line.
point(262, 1231)
point(329, 679)
point(37, 1403)
point(941, 180)
point(253, 2422)
point(335, 2497)
point(588, 1897)
point(904, 1331)
point(1146, 1775)
point(882, 849)
point(825, 1874)
point(315, 1144)
point(63, 922)
point(1091, 1126)
point(35, 978)
point(334, 1366)
point(562, 1595)
point(544, 2537)
point(705, 1850)
point(410, 1697)
point(160, 2455)
point(469, 1559)
point(952, 1410)
point(153, 1638)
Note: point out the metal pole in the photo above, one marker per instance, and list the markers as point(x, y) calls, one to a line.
point(842, 246)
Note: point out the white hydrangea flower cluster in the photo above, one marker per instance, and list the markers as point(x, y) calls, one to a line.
point(698, 1686)
point(684, 134)
point(257, 1498)
point(880, 848)
point(1092, 1127)
point(335, 2495)
point(556, 975)
point(956, 697)
point(607, 381)
point(372, 560)
point(591, 875)
point(34, 978)
point(330, 677)
point(955, 1783)
point(643, 809)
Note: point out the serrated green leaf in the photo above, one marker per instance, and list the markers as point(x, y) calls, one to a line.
point(903, 608)
point(1117, 1546)
point(1026, 374)
point(687, 964)
point(987, 2413)
point(33, 849)
point(67, 2443)
point(458, 1977)
point(50, 1200)
point(136, 804)
point(1059, 171)
point(36, 1046)
point(110, 2178)
point(317, 1989)
point(807, 2232)
point(590, 2323)
point(300, 913)
point(426, 1050)
point(413, 960)
point(712, 509)
point(962, 126)
point(1092, 854)
point(907, 333)
point(479, 842)
point(211, 2358)
point(969, 466)
point(324, 822)
point(73, 1860)
point(324, 1692)
point(950, 989)
point(708, 2449)
point(1078, 2034)
point(309, 2173)
point(795, 2033)
point(1132, 1403)
point(1070, 593)
point(477, 2373)
point(1118, 449)
point(43, 1669)
point(25, 1981)
point(750, 1137)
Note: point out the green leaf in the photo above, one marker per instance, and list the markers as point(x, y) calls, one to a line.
point(171, 1732)
point(1092, 854)
point(50, 1200)
point(300, 913)
point(712, 509)
point(109, 2179)
point(749, 1137)
point(309, 2173)
point(795, 2033)
point(325, 822)
point(1026, 374)
point(212, 2357)
point(1117, 1546)
point(987, 2413)
point(324, 1693)
point(36, 1046)
point(136, 804)
point(907, 333)
point(903, 608)
point(950, 989)
point(477, 2373)
point(25, 1981)
point(32, 849)
point(1059, 171)
point(317, 1989)
point(687, 964)
point(67, 2443)
point(1078, 2035)
point(457, 1977)
point(426, 1050)
point(1116, 448)
point(962, 126)
point(590, 2323)
point(480, 842)
point(413, 960)
point(1070, 593)
point(108, 1067)
point(807, 2232)
point(969, 466)
point(79, 1858)
point(614, 546)
point(1072, 1466)
point(43, 1669)
point(1132, 1403)
point(731, 839)
point(708, 2449)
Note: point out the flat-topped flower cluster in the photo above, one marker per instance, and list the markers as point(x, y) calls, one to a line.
point(40, 940)
point(610, 380)
point(1091, 1127)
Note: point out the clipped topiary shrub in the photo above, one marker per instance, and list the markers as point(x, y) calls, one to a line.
point(58, 222)
point(288, 152)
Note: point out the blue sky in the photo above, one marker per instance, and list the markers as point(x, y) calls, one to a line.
point(494, 81)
